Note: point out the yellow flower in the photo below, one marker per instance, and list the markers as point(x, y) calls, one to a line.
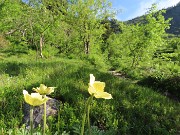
point(44, 90)
point(97, 88)
point(35, 99)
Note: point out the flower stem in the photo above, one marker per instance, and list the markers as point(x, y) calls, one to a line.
point(31, 119)
point(44, 127)
point(88, 119)
point(84, 115)
point(83, 121)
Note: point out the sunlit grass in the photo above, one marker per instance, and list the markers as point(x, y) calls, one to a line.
point(133, 110)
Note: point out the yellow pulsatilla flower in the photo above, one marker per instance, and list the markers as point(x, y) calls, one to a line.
point(97, 88)
point(35, 99)
point(44, 90)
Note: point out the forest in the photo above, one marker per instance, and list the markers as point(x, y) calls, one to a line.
point(108, 77)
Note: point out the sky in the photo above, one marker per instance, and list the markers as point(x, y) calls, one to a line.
point(129, 9)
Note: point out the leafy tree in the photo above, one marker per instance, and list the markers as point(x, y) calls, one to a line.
point(138, 43)
point(11, 21)
point(73, 26)
point(27, 24)
point(85, 16)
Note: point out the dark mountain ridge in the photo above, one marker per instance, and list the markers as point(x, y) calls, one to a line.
point(174, 13)
point(171, 12)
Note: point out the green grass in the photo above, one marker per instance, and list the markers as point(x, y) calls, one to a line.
point(133, 110)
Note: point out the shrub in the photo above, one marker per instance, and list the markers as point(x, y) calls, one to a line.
point(4, 44)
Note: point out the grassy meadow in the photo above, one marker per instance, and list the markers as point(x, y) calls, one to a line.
point(134, 109)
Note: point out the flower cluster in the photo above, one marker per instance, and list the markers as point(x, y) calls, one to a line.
point(95, 89)
point(36, 99)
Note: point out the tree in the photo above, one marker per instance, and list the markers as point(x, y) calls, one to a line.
point(27, 23)
point(85, 16)
point(138, 42)
point(72, 26)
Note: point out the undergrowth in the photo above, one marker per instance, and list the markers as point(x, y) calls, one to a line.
point(134, 109)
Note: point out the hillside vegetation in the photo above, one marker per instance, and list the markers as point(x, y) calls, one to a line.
point(60, 44)
point(171, 12)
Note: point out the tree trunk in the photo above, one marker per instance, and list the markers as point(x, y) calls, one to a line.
point(86, 44)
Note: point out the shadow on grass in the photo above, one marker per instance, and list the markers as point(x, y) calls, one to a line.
point(15, 67)
point(169, 87)
point(137, 110)
point(133, 109)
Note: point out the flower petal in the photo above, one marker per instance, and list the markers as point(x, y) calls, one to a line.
point(35, 99)
point(44, 90)
point(49, 90)
point(91, 90)
point(92, 79)
point(104, 95)
point(37, 102)
point(36, 95)
point(99, 86)
point(42, 87)
point(27, 97)
point(25, 92)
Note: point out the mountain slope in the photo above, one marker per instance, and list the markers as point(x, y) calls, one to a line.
point(171, 12)
point(174, 12)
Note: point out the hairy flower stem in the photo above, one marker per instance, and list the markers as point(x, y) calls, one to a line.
point(83, 122)
point(84, 115)
point(88, 119)
point(44, 126)
point(31, 119)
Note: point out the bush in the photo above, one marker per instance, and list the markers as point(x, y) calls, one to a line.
point(97, 60)
point(4, 44)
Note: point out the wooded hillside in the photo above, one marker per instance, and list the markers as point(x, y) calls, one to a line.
point(171, 12)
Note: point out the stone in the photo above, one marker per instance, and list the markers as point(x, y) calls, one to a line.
point(52, 108)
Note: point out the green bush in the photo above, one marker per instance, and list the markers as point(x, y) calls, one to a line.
point(4, 44)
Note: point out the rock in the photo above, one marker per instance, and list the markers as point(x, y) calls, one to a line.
point(118, 74)
point(52, 107)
